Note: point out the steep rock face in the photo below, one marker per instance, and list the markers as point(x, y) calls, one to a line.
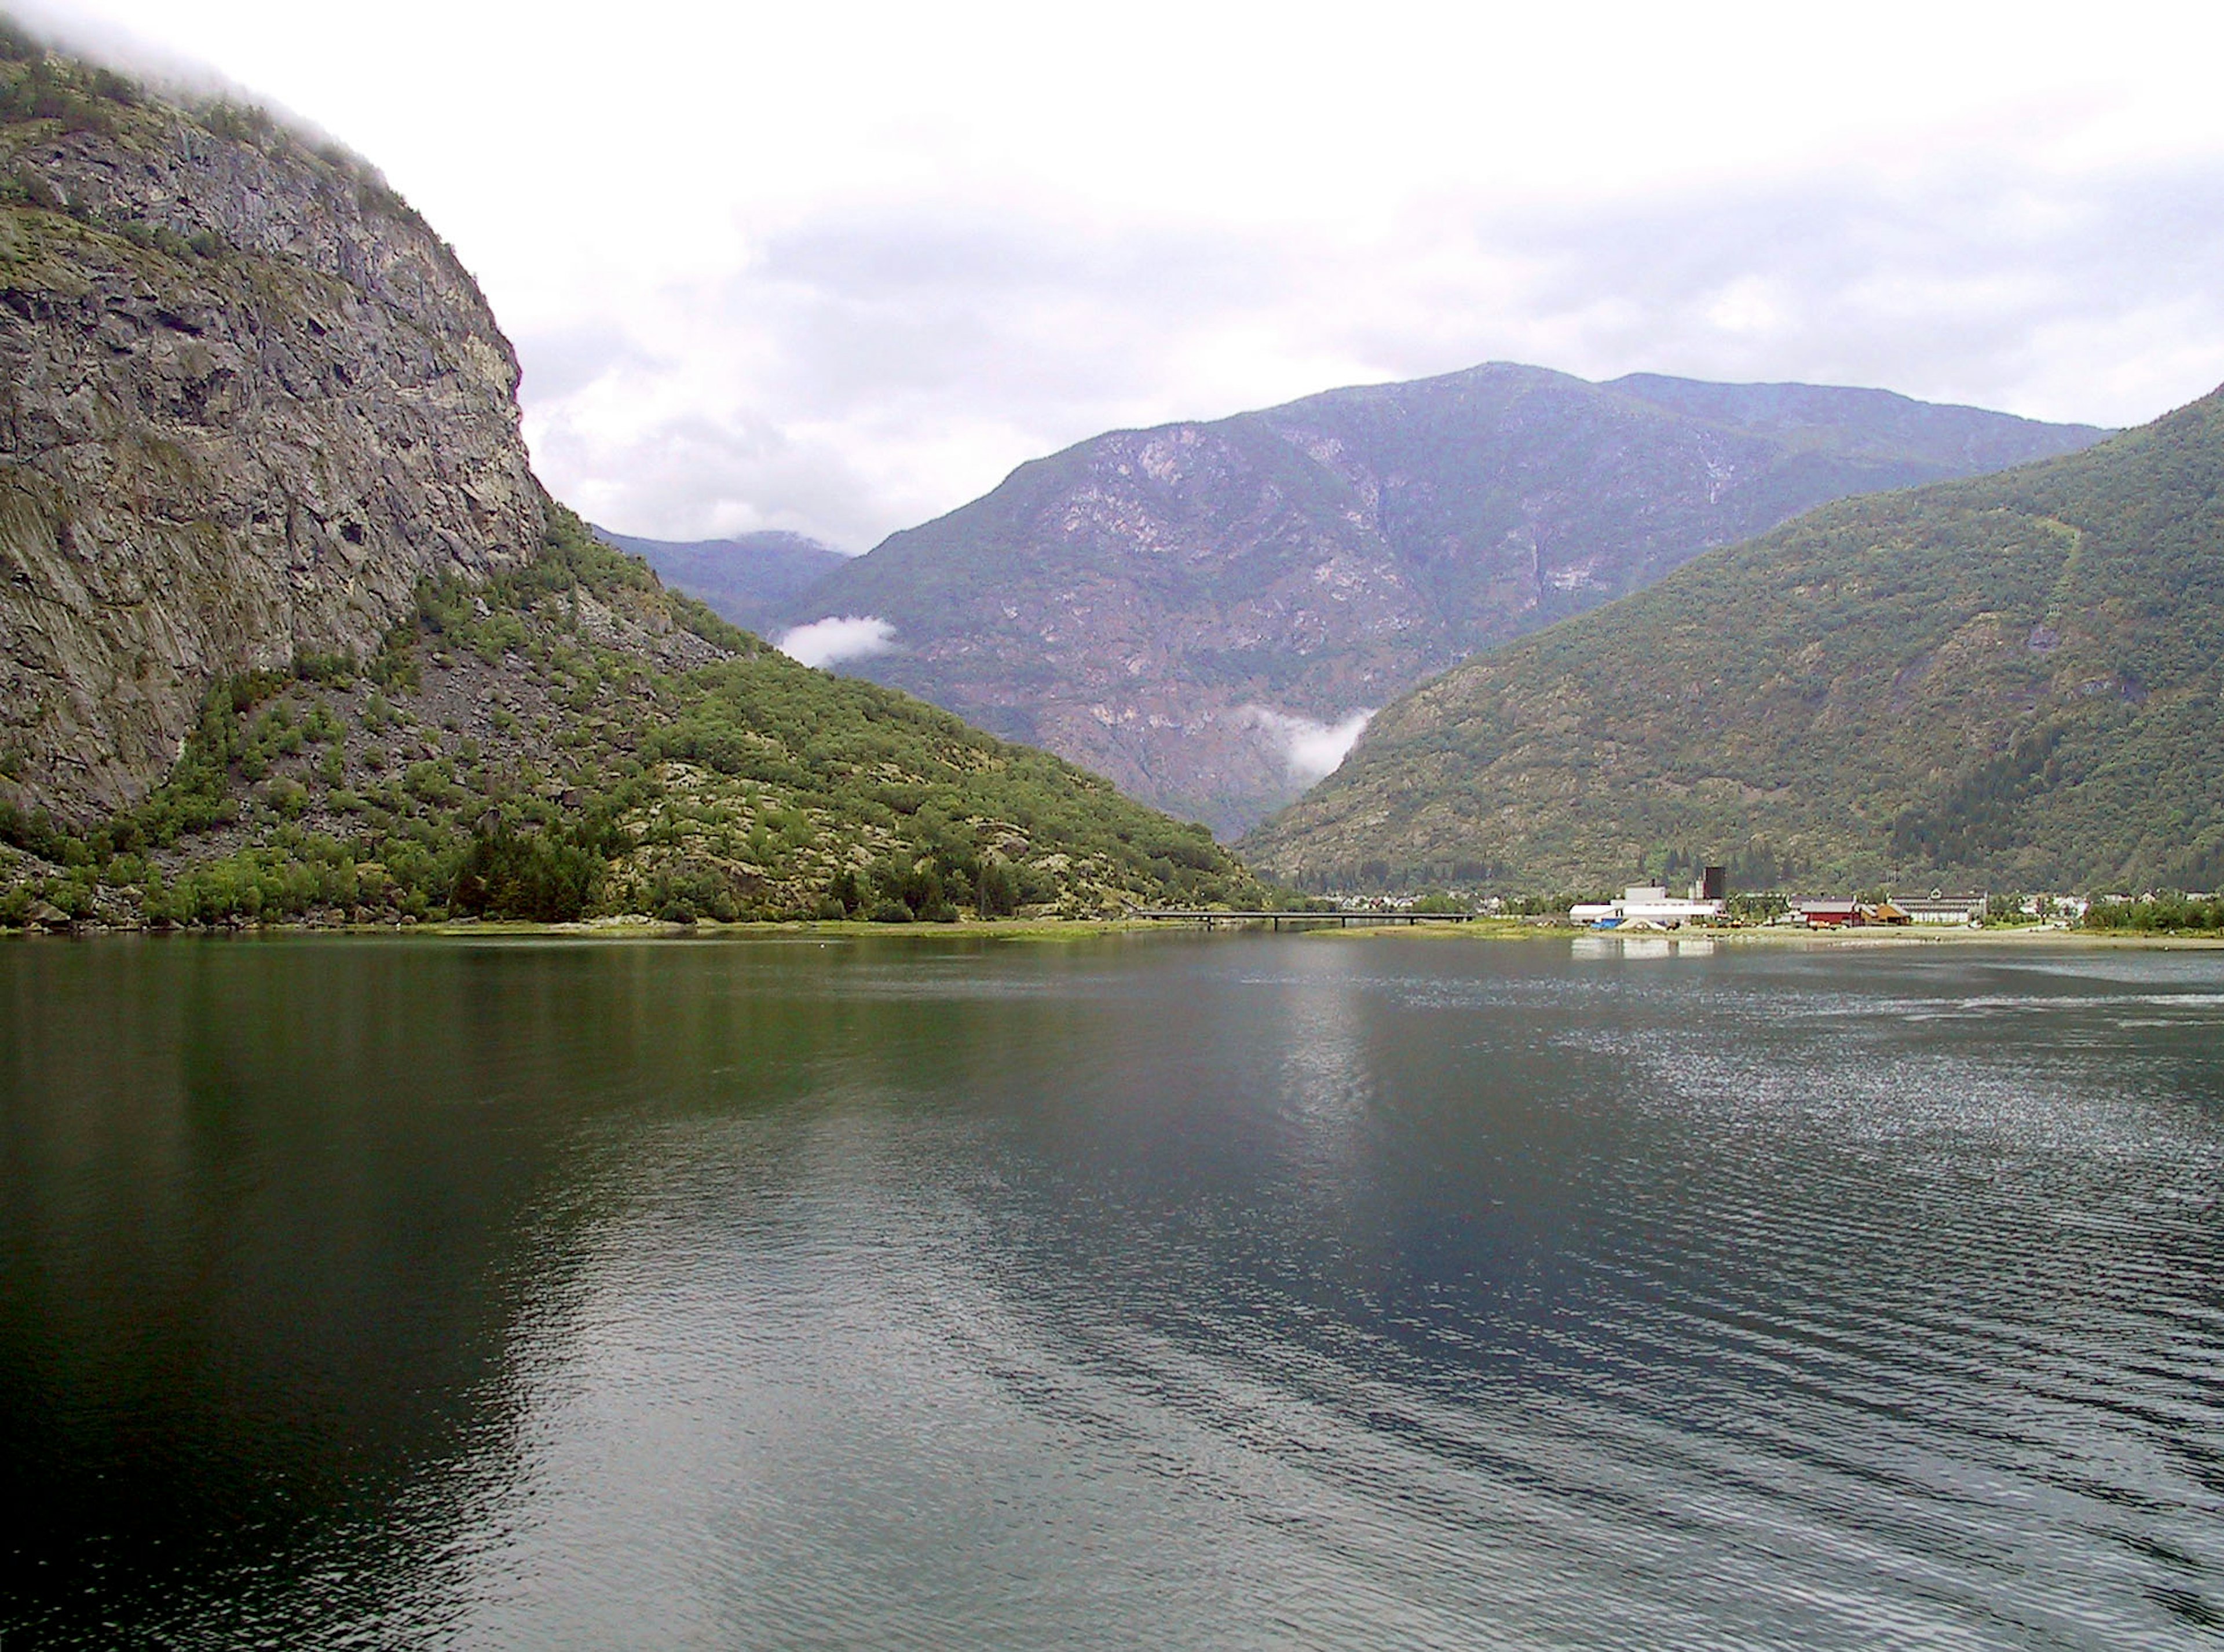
point(1165, 606)
point(247, 399)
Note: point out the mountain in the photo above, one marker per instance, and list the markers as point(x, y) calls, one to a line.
point(750, 580)
point(248, 400)
point(2014, 681)
point(1191, 609)
point(291, 630)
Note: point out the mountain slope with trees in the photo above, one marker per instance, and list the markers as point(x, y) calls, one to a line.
point(1168, 606)
point(2017, 680)
point(570, 740)
point(288, 629)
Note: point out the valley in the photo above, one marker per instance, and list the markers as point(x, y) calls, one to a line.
point(1207, 613)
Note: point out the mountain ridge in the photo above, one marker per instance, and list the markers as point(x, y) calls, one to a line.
point(1162, 604)
point(749, 578)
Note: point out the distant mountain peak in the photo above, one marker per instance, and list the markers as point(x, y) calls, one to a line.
point(1163, 604)
point(748, 578)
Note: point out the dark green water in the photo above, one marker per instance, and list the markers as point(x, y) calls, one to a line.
point(1158, 1292)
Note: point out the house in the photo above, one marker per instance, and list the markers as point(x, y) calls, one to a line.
point(1937, 908)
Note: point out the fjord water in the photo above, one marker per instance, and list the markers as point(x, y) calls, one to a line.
point(1150, 1292)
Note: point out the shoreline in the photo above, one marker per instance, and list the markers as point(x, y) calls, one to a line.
point(641, 929)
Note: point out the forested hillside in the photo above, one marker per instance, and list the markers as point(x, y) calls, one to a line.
point(2017, 680)
point(569, 739)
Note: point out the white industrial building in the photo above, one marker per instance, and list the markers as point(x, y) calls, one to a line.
point(1645, 904)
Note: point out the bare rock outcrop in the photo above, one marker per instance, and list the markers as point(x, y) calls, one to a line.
point(247, 400)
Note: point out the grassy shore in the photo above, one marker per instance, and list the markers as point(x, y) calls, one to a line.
point(1487, 929)
point(642, 929)
point(2034, 936)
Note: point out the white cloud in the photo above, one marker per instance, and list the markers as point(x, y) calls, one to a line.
point(1310, 751)
point(1746, 305)
point(828, 642)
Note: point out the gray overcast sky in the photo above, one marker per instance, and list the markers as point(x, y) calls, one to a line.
point(838, 268)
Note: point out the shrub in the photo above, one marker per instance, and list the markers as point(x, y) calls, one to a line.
point(527, 875)
point(996, 890)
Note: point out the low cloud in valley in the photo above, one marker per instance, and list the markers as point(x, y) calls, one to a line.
point(830, 642)
point(1311, 750)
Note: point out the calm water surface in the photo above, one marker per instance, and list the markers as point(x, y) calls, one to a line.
point(1158, 1291)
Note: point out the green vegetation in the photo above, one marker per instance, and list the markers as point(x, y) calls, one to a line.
point(76, 97)
point(43, 88)
point(570, 740)
point(2012, 681)
point(2169, 913)
point(1763, 908)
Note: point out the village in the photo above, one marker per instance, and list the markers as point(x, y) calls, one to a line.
point(1706, 902)
point(1652, 907)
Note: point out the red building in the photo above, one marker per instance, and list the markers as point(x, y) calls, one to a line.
point(1829, 914)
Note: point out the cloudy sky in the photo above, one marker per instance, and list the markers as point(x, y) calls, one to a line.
point(837, 268)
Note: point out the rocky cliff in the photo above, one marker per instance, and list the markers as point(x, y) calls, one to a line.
point(1183, 609)
point(247, 400)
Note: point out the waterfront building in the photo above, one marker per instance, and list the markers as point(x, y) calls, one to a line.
point(1649, 904)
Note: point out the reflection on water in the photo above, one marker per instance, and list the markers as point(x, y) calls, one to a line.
point(1246, 1291)
point(1619, 945)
